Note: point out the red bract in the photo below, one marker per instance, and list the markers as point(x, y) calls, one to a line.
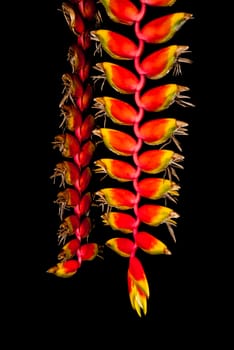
point(164, 28)
point(158, 131)
point(84, 131)
point(67, 171)
point(84, 40)
point(87, 8)
point(67, 145)
point(154, 215)
point(120, 78)
point(72, 117)
point(155, 161)
point(88, 251)
point(76, 57)
point(155, 188)
point(122, 246)
point(65, 269)
point(121, 11)
point(83, 180)
point(78, 62)
point(85, 155)
point(111, 44)
point(84, 229)
point(73, 18)
point(117, 141)
point(161, 97)
point(83, 206)
point(118, 111)
point(119, 221)
point(73, 88)
point(117, 169)
point(160, 62)
point(68, 198)
point(84, 101)
point(69, 249)
point(119, 198)
point(151, 245)
point(67, 227)
point(137, 274)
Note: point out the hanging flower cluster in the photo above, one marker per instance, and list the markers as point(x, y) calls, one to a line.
point(136, 137)
point(74, 143)
point(138, 160)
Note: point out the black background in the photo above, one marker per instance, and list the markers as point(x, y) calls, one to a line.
point(98, 293)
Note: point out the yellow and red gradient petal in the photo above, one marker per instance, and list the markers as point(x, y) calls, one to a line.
point(150, 244)
point(159, 98)
point(121, 11)
point(69, 249)
point(120, 78)
point(119, 198)
point(158, 64)
point(158, 131)
point(118, 111)
point(156, 188)
point(65, 269)
point(154, 215)
point(88, 251)
point(137, 273)
point(156, 160)
point(110, 42)
point(119, 221)
point(117, 141)
point(163, 28)
point(121, 246)
point(116, 169)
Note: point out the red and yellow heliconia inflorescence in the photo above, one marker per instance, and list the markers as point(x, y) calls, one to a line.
point(142, 140)
point(136, 139)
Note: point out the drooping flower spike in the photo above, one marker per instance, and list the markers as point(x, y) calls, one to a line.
point(120, 78)
point(137, 156)
point(75, 145)
point(110, 43)
point(124, 209)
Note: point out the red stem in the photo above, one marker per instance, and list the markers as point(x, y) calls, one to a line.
point(138, 119)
